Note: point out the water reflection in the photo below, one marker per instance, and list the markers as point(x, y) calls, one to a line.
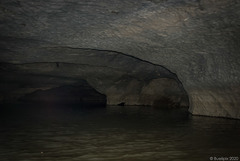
point(114, 134)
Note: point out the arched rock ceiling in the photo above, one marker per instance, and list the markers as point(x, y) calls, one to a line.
point(120, 77)
point(196, 39)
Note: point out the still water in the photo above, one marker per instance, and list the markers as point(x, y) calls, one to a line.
point(114, 134)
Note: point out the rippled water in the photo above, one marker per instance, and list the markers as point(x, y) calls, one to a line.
point(114, 134)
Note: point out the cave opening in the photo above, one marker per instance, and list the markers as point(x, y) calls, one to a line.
point(162, 93)
point(67, 95)
point(95, 77)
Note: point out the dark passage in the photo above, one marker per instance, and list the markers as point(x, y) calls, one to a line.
point(83, 95)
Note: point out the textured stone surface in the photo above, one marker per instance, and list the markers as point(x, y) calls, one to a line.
point(121, 78)
point(196, 39)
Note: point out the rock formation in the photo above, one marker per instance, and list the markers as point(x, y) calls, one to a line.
point(198, 40)
point(120, 77)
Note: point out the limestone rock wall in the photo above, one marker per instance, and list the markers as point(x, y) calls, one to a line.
point(198, 40)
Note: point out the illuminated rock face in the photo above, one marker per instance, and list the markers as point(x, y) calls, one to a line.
point(198, 40)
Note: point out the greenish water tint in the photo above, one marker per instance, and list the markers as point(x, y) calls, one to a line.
point(114, 133)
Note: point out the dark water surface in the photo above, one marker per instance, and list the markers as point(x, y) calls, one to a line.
point(114, 134)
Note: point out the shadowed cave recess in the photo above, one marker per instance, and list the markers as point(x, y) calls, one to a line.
point(95, 79)
point(49, 46)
